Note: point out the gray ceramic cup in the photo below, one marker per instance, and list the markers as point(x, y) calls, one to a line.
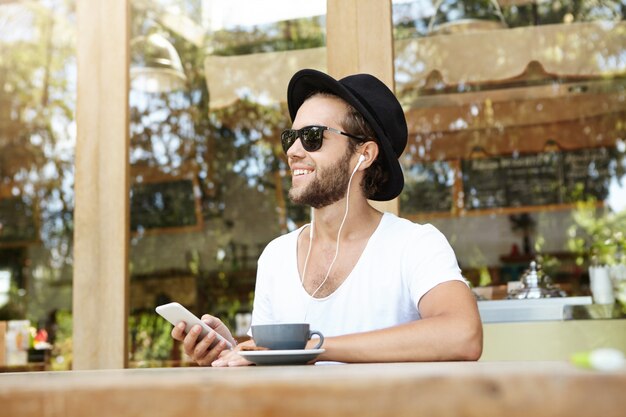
point(284, 336)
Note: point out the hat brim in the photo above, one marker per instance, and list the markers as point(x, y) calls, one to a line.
point(306, 82)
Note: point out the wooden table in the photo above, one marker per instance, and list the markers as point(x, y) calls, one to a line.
point(417, 389)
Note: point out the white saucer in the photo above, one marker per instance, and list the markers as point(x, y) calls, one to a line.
point(281, 357)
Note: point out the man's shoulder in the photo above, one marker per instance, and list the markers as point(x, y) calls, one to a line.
point(399, 226)
point(398, 234)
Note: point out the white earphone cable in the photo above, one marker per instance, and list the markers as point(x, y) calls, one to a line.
point(345, 216)
point(306, 260)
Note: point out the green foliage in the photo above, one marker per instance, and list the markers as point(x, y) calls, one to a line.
point(597, 233)
point(150, 338)
point(484, 277)
point(410, 21)
point(37, 107)
point(279, 36)
point(62, 353)
point(427, 188)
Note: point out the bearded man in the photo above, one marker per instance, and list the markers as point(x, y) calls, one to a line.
point(380, 288)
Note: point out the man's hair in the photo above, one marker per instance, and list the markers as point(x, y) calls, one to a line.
point(375, 175)
point(355, 124)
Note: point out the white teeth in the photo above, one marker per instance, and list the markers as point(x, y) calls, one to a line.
point(297, 172)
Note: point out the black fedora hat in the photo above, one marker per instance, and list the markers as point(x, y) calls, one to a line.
point(378, 105)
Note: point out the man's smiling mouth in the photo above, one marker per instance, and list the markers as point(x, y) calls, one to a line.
point(298, 172)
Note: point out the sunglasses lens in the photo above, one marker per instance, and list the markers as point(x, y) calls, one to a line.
point(287, 138)
point(312, 138)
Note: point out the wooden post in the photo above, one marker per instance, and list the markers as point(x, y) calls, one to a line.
point(3, 334)
point(359, 38)
point(101, 216)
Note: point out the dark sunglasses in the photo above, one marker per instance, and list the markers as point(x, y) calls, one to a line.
point(311, 137)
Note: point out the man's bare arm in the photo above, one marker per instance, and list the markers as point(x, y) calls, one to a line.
point(450, 330)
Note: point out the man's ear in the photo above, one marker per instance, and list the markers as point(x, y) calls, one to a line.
point(369, 151)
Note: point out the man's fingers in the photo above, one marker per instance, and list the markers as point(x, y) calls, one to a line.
point(189, 342)
point(239, 361)
point(212, 321)
point(178, 332)
point(217, 325)
point(199, 349)
point(230, 358)
point(202, 347)
point(209, 356)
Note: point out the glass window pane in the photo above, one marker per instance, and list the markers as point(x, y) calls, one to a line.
point(37, 142)
point(209, 178)
point(516, 132)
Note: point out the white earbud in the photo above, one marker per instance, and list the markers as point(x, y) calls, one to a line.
point(358, 164)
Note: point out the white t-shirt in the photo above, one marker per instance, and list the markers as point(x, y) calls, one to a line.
point(401, 262)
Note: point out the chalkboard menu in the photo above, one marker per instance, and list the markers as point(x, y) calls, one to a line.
point(484, 189)
point(536, 179)
point(160, 205)
point(18, 224)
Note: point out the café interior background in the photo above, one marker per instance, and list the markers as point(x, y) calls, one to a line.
point(517, 133)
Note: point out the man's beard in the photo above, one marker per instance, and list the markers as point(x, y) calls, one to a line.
point(329, 186)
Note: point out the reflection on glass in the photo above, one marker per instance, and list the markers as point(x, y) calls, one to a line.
point(155, 65)
point(414, 17)
point(428, 187)
point(37, 138)
point(208, 175)
point(455, 16)
point(564, 11)
point(499, 129)
point(598, 10)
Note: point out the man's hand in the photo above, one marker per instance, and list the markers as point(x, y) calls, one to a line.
point(199, 350)
point(232, 357)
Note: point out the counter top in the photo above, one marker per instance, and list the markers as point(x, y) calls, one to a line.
point(532, 309)
point(400, 389)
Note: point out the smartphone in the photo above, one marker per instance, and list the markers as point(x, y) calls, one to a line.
point(175, 313)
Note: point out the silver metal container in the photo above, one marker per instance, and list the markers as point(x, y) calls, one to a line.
point(535, 284)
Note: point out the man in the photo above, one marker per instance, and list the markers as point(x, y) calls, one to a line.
point(380, 288)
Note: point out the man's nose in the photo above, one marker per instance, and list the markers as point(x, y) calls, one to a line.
point(296, 150)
